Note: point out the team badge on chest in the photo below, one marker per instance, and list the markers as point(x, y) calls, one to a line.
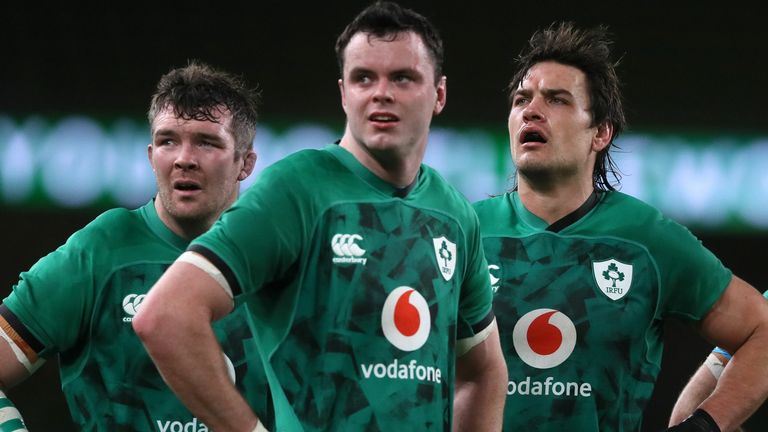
point(614, 278)
point(445, 252)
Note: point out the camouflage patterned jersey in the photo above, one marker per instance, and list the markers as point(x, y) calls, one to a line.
point(358, 291)
point(78, 302)
point(580, 306)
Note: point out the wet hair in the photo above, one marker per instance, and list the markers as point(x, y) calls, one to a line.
point(200, 92)
point(588, 50)
point(386, 20)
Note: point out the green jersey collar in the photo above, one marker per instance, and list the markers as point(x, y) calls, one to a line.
point(348, 160)
point(540, 225)
point(524, 215)
point(156, 225)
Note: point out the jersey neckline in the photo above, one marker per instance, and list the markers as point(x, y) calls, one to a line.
point(559, 225)
point(156, 225)
point(350, 162)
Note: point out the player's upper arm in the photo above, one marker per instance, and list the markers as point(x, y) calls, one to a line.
point(184, 293)
point(12, 370)
point(481, 357)
point(740, 312)
point(482, 331)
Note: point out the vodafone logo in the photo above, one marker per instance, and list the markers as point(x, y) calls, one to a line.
point(544, 338)
point(405, 319)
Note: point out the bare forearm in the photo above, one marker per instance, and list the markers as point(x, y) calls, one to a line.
point(481, 383)
point(193, 366)
point(700, 386)
point(174, 323)
point(738, 323)
point(744, 379)
point(479, 406)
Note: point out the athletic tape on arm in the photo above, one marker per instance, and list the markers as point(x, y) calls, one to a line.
point(203, 264)
point(10, 417)
point(715, 365)
point(464, 345)
point(31, 367)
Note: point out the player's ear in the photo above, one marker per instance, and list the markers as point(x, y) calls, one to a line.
point(249, 162)
point(343, 96)
point(149, 156)
point(602, 136)
point(442, 95)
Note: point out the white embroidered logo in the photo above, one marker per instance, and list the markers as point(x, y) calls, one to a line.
point(445, 252)
point(614, 278)
point(131, 304)
point(347, 250)
point(494, 280)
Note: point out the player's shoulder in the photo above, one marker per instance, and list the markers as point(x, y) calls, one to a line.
point(492, 205)
point(114, 218)
point(295, 175)
point(301, 162)
point(630, 206)
point(444, 194)
point(635, 215)
point(107, 226)
point(628, 202)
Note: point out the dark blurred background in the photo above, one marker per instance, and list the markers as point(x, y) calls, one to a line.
point(685, 68)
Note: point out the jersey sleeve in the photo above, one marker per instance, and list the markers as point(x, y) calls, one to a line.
point(692, 277)
point(475, 312)
point(257, 240)
point(48, 307)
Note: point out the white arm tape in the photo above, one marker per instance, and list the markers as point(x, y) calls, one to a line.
point(464, 345)
point(260, 427)
point(10, 417)
point(21, 357)
point(715, 365)
point(203, 264)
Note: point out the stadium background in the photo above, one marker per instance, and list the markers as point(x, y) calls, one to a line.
point(689, 73)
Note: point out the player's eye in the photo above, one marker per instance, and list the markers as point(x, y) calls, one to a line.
point(519, 100)
point(361, 78)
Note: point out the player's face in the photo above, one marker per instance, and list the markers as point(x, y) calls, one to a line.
point(196, 169)
point(389, 94)
point(550, 128)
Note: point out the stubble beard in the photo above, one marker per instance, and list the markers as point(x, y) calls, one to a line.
point(545, 175)
point(195, 217)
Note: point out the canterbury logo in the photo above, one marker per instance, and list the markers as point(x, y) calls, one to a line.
point(347, 250)
point(131, 304)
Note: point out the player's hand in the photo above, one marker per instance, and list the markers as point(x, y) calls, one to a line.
point(699, 421)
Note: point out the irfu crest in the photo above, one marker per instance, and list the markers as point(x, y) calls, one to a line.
point(614, 278)
point(445, 252)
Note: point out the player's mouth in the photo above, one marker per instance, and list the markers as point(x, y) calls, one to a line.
point(532, 136)
point(383, 119)
point(186, 187)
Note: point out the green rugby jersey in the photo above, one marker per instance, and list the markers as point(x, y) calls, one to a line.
point(78, 302)
point(358, 291)
point(580, 306)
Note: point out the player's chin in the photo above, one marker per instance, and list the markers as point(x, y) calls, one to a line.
point(188, 208)
point(530, 167)
point(385, 142)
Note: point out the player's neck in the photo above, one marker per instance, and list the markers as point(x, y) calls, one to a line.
point(553, 201)
point(395, 169)
point(189, 229)
point(186, 228)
